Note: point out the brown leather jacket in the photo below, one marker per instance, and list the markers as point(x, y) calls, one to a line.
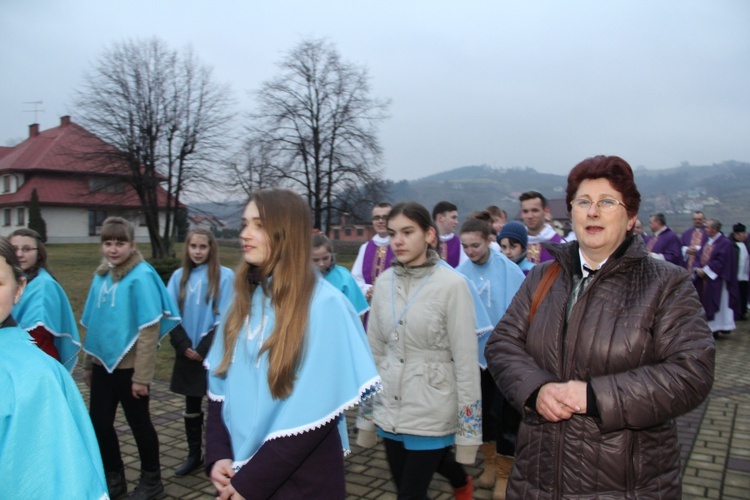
point(638, 336)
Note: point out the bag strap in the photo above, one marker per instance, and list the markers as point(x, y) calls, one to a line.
point(549, 277)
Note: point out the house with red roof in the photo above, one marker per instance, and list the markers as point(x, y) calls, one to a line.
point(77, 188)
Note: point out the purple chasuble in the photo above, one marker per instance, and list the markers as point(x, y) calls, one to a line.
point(667, 244)
point(691, 238)
point(720, 257)
point(450, 251)
point(536, 253)
point(376, 260)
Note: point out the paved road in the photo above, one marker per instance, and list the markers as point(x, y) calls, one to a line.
point(715, 440)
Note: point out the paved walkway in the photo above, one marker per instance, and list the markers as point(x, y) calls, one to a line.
point(715, 440)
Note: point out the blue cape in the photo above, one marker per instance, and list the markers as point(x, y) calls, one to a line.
point(198, 316)
point(45, 304)
point(341, 278)
point(483, 326)
point(337, 371)
point(47, 444)
point(496, 282)
point(115, 312)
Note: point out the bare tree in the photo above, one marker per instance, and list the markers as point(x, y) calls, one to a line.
point(317, 125)
point(167, 120)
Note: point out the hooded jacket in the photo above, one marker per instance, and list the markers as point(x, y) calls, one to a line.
point(638, 336)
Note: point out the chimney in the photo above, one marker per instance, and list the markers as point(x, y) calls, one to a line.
point(65, 120)
point(33, 130)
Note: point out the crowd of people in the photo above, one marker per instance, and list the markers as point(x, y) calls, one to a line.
point(564, 360)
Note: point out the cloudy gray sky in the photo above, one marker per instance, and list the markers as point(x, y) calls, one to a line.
point(542, 84)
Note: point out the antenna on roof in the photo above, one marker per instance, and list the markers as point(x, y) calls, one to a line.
point(36, 109)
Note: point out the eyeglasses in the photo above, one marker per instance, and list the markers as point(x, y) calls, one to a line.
point(605, 205)
point(24, 249)
point(376, 218)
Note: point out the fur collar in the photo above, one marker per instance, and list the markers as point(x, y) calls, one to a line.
point(119, 272)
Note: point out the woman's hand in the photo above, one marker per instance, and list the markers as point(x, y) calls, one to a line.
point(221, 475)
point(139, 390)
point(560, 401)
point(230, 493)
point(192, 355)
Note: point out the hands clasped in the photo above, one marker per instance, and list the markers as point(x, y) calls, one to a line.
point(560, 401)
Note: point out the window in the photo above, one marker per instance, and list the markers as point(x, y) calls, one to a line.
point(142, 219)
point(336, 234)
point(21, 217)
point(347, 232)
point(6, 185)
point(360, 231)
point(6, 219)
point(96, 218)
point(104, 185)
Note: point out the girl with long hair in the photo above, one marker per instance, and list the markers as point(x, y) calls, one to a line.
point(426, 355)
point(44, 310)
point(202, 290)
point(289, 358)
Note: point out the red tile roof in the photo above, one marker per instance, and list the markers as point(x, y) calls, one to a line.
point(73, 191)
point(67, 148)
point(59, 163)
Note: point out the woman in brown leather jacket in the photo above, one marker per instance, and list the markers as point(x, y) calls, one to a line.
point(617, 348)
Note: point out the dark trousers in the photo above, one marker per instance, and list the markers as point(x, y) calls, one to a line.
point(742, 285)
point(193, 405)
point(107, 391)
point(412, 470)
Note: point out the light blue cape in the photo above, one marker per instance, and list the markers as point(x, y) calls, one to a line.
point(483, 326)
point(115, 312)
point(47, 444)
point(45, 304)
point(341, 278)
point(198, 316)
point(337, 371)
point(495, 282)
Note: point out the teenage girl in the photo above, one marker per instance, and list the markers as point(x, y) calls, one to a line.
point(44, 310)
point(127, 312)
point(340, 277)
point(202, 290)
point(496, 279)
point(289, 358)
point(426, 355)
point(47, 446)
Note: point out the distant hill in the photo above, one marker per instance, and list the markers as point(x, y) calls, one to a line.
point(721, 190)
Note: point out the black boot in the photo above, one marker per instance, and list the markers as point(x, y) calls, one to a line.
point(116, 483)
point(194, 433)
point(149, 487)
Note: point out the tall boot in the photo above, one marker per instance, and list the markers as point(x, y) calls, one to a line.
point(116, 483)
point(503, 465)
point(194, 433)
point(465, 492)
point(487, 478)
point(149, 487)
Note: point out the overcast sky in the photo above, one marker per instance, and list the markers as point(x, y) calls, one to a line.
point(542, 84)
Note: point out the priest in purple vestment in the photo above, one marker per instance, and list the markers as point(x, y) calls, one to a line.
point(693, 240)
point(716, 279)
point(445, 216)
point(375, 256)
point(664, 244)
point(534, 210)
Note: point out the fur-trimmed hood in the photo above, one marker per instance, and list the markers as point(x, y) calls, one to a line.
point(119, 272)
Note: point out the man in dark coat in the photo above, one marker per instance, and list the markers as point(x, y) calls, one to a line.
point(716, 279)
point(664, 244)
point(739, 238)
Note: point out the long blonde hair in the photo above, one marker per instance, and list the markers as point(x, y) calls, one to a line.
point(286, 219)
point(214, 270)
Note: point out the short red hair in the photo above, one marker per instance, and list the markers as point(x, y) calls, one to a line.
point(613, 168)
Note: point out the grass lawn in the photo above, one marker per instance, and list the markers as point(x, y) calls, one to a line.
point(73, 266)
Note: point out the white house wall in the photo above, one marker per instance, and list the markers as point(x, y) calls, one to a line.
point(71, 225)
